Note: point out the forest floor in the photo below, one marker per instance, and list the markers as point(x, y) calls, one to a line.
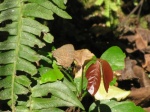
point(89, 33)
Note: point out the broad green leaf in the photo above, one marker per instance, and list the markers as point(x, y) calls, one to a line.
point(114, 106)
point(58, 89)
point(115, 58)
point(50, 75)
point(43, 70)
point(113, 92)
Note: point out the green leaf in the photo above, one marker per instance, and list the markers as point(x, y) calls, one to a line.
point(49, 5)
point(33, 27)
point(35, 10)
point(6, 82)
point(28, 54)
point(7, 4)
point(81, 83)
point(19, 89)
point(50, 75)
point(60, 3)
point(58, 89)
point(49, 110)
point(22, 109)
point(99, 2)
point(30, 40)
point(115, 58)
point(114, 106)
point(7, 57)
point(26, 66)
point(42, 103)
point(48, 38)
point(9, 14)
point(6, 70)
point(23, 80)
point(5, 94)
point(113, 82)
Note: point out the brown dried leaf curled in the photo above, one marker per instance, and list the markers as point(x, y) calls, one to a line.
point(82, 55)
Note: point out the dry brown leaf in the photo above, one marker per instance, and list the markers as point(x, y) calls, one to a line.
point(140, 96)
point(131, 50)
point(142, 76)
point(141, 44)
point(128, 72)
point(64, 55)
point(145, 33)
point(130, 38)
point(147, 62)
point(81, 56)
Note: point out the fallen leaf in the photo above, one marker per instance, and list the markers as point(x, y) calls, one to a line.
point(140, 96)
point(141, 44)
point(64, 55)
point(127, 73)
point(147, 62)
point(113, 92)
point(82, 55)
point(142, 76)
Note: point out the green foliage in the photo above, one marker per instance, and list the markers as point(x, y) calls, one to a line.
point(50, 75)
point(61, 93)
point(18, 56)
point(115, 57)
point(114, 106)
point(25, 87)
point(108, 9)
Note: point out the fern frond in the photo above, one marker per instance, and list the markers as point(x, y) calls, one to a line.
point(17, 54)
